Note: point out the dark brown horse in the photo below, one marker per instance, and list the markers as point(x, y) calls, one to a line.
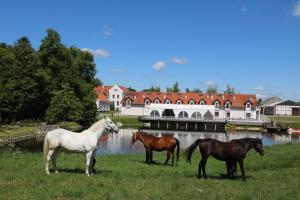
point(231, 152)
point(153, 143)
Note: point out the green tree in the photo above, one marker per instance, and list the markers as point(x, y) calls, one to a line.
point(64, 106)
point(229, 90)
point(131, 89)
point(176, 87)
point(152, 89)
point(211, 89)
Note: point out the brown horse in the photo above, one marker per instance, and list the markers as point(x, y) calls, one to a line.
point(151, 143)
point(231, 152)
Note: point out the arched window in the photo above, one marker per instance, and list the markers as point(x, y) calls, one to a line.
point(197, 115)
point(154, 113)
point(183, 114)
point(178, 102)
point(248, 105)
point(217, 105)
point(167, 101)
point(147, 102)
point(192, 102)
point(157, 101)
point(227, 105)
point(128, 103)
point(208, 115)
point(202, 102)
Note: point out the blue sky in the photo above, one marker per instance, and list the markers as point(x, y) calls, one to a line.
point(253, 45)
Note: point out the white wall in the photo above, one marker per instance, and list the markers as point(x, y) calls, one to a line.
point(116, 96)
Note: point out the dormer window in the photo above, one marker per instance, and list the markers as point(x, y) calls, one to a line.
point(178, 102)
point(192, 102)
point(217, 105)
point(248, 105)
point(167, 101)
point(227, 105)
point(128, 103)
point(147, 102)
point(157, 101)
point(202, 102)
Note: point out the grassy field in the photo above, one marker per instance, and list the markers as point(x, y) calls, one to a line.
point(17, 130)
point(285, 121)
point(273, 176)
point(127, 121)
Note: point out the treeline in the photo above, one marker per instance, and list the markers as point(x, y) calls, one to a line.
point(54, 83)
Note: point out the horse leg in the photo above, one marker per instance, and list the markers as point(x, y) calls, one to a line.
point(228, 169)
point(147, 156)
point(203, 163)
point(49, 156)
point(151, 156)
point(199, 170)
point(88, 162)
point(54, 159)
point(241, 162)
point(168, 157)
point(92, 164)
point(173, 156)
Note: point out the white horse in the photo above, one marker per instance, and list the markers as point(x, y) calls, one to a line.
point(85, 141)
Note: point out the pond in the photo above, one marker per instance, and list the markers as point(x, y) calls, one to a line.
point(121, 142)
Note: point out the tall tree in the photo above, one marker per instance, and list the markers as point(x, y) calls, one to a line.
point(212, 89)
point(229, 90)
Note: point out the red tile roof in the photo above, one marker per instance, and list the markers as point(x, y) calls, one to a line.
point(236, 100)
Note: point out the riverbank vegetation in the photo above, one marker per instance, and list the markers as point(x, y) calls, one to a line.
point(273, 176)
point(286, 121)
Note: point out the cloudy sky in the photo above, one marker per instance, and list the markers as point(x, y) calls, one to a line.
point(253, 45)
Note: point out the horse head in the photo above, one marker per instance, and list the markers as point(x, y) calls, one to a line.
point(258, 146)
point(134, 138)
point(110, 125)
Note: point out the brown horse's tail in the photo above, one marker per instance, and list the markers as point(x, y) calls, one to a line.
point(191, 149)
point(45, 149)
point(178, 150)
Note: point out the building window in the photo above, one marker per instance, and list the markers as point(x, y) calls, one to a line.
point(178, 102)
point(227, 105)
point(156, 101)
point(248, 105)
point(197, 115)
point(202, 102)
point(128, 103)
point(228, 115)
point(118, 96)
point(248, 115)
point(167, 101)
point(217, 105)
point(192, 102)
point(147, 102)
point(217, 114)
point(154, 113)
point(113, 96)
point(117, 103)
point(183, 114)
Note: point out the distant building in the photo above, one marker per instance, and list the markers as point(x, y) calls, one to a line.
point(284, 108)
point(191, 105)
point(110, 95)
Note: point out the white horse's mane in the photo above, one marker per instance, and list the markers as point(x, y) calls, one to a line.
point(96, 125)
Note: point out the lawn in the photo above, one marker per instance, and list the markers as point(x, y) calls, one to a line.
point(17, 129)
point(285, 121)
point(127, 121)
point(273, 176)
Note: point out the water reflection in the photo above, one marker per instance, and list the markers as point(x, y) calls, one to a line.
point(120, 143)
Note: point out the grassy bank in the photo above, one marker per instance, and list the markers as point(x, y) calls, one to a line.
point(273, 176)
point(285, 121)
point(127, 121)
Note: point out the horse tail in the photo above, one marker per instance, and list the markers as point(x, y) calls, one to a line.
point(191, 149)
point(178, 150)
point(45, 149)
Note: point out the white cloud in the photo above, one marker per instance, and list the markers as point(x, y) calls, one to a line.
point(100, 53)
point(244, 9)
point(296, 10)
point(108, 32)
point(160, 65)
point(179, 61)
point(210, 83)
point(117, 70)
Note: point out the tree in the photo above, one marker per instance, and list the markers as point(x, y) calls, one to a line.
point(229, 90)
point(176, 87)
point(211, 89)
point(152, 89)
point(64, 106)
point(131, 89)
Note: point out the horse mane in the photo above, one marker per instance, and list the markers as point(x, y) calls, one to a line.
point(96, 125)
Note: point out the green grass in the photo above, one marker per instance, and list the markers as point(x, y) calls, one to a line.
point(18, 130)
point(273, 176)
point(285, 121)
point(127, 121)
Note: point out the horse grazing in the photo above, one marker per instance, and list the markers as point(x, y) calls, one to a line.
point(86, 141)
point(231, 152)
point(163, 143)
